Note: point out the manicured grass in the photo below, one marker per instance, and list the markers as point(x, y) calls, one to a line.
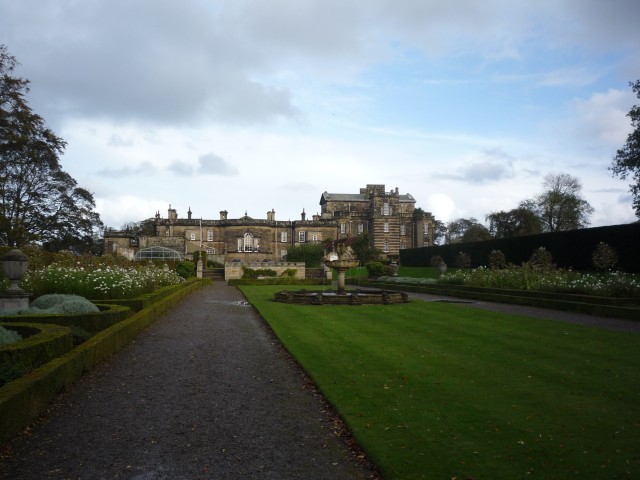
point(436, 390)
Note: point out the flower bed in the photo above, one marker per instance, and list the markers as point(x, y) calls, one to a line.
point(98, 283)
point(611, 284)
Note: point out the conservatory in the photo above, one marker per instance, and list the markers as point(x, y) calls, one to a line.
point(158, 253)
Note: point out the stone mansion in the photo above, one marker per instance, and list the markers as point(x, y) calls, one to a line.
point(390, 219)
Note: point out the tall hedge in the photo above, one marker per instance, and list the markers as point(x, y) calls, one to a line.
point(570, 249)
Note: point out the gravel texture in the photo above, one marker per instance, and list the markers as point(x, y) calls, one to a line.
point(206, 392)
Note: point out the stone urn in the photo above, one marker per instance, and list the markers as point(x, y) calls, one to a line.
point(14, 266)
point(395, 266)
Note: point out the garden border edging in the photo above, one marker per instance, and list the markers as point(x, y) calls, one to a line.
point(580, 304)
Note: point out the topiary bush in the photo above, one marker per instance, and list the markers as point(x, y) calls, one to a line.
point(463, 260)
point(8, 336)
point(497, 259)
point(604, 257)
point(541, 259)
point(436, 260)
point(59, 304)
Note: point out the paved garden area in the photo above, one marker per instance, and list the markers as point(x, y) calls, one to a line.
point(206, 392)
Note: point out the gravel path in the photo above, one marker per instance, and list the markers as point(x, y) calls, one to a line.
point(206, 392)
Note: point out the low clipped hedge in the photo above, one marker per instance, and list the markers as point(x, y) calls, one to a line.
point(22, 400)
point(625, 308)
point(143, 301)
point(90, 322)
point(40, 344)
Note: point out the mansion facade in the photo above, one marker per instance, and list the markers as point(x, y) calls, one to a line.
point(390, 219)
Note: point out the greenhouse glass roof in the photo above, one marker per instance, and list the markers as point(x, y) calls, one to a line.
point(158, 253)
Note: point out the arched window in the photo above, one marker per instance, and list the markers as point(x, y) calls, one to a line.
point(248, 242)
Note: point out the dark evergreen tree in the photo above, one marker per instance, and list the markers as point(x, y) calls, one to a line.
point(39, 202)
point(627, 159)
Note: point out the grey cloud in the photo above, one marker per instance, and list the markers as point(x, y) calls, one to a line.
point(187, 62)
point(145, 168)
point(182, 169)
point(211, 164)
point(495, 165)
point(486, 172)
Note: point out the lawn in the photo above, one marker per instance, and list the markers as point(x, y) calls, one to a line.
point(436, 390)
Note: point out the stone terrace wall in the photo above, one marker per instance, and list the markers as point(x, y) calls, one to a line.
point(233, 270)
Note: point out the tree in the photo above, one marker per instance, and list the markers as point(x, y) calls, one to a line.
point(440, 232)
point(361, 246)
point(466, 230)
point(560, 206)
point(309, 253)
point(39, 202)
point(627, 159)
point(514, 223)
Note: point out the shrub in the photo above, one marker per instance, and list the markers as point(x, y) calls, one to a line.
point(463, 260)
point(58, 304)
point(436, 260)
point(604, 257)
point(377, 269)
point(186, 269)
point(258, 272)
point(289, 272)
point(8, 336)
point(541, 259)
point(497, 260)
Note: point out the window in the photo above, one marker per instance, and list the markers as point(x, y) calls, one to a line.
point(302, 236)
point(193, 236)
point(283, 254)
point(403, 245)
point(360, 228)
point(283, 237)
point(343, 228)
point(209, 235)
point(402, 229)
point(314, 238)
point(386, 247)
point(211, 251)
point(386, 209)
point(248, 242)
point(386, 227)
point(240, 242)
point(426, 229)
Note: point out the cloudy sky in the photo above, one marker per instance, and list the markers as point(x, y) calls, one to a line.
point(249, 105)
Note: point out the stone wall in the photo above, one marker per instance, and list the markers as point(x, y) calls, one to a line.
point(233, 270)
